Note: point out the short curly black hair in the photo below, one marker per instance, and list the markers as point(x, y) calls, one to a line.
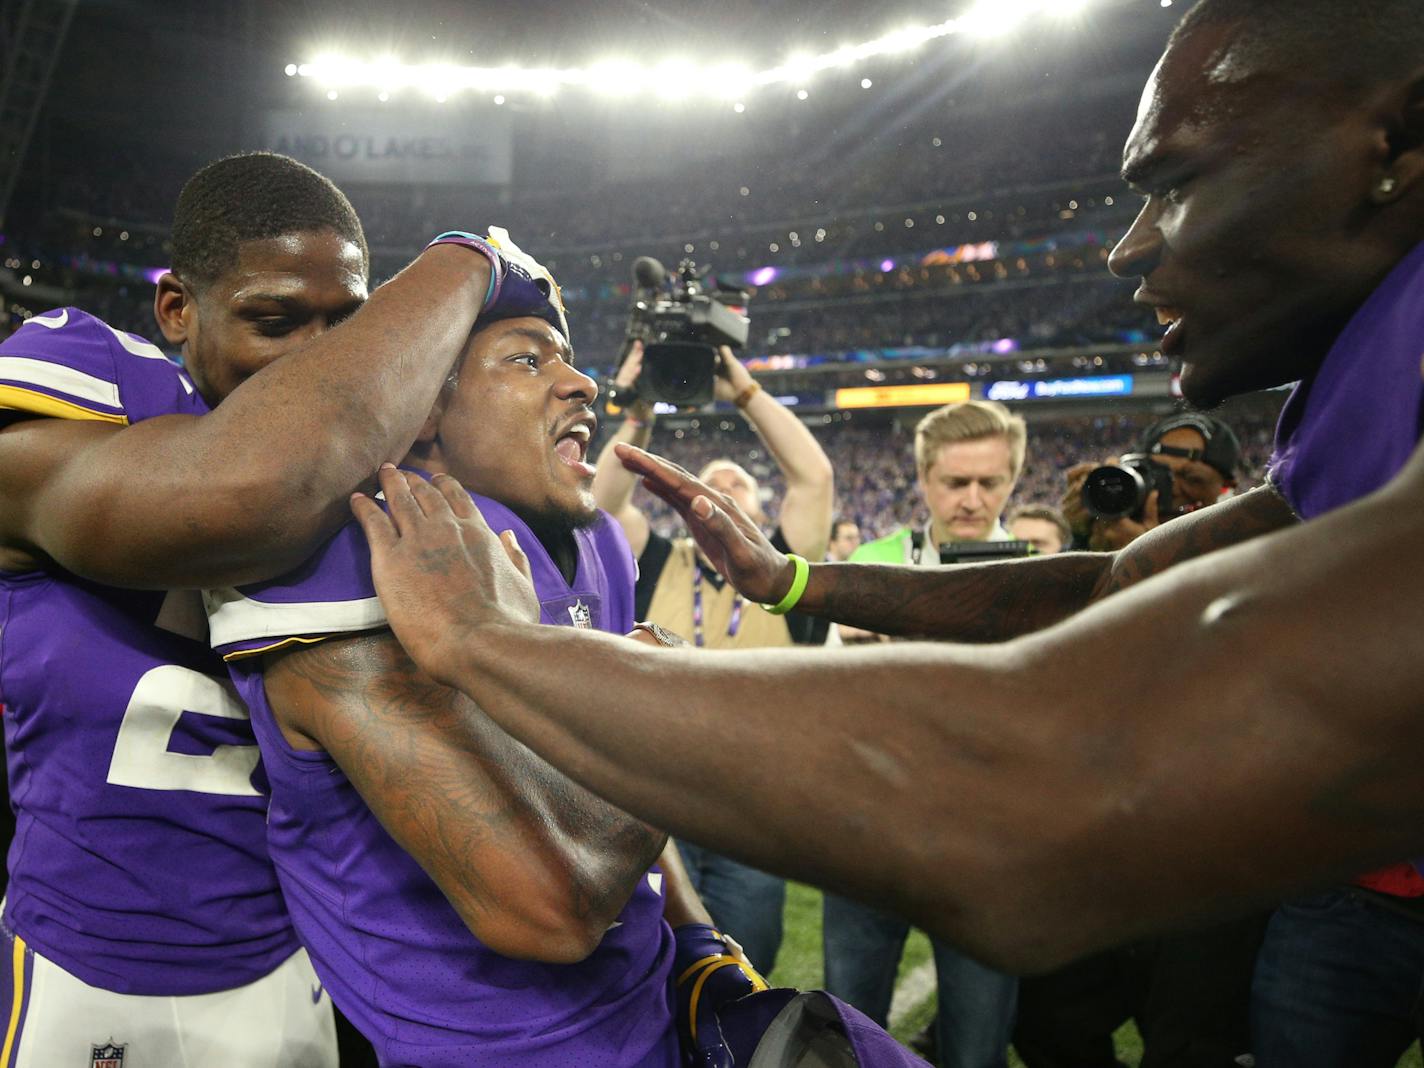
point(250, 197)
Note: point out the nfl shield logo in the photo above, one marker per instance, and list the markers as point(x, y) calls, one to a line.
point(581, 615)
point(107, 1056)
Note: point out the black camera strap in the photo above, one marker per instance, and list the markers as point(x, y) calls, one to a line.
point(917, 546)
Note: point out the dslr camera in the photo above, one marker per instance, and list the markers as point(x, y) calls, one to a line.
point(1115, 491)
point(681, 319)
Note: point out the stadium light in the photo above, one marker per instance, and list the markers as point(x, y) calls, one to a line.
point(670, 80)
point(995, 18)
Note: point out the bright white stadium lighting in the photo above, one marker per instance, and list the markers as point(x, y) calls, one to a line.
point(729, 81)
point(291, 69)
point(995, 18)
point(903, 40)
point(802, 94)
point(866, 83)
point(799, 67)
point(616, 77)
point(671, 79)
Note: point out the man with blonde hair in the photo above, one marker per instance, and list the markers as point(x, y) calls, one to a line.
point(968, 458)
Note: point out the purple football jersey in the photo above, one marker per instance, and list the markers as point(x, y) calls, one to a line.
point(1351, 427)
point(139, 862)
point(394, 954)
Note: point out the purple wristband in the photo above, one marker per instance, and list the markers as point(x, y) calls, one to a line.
point(480, 245)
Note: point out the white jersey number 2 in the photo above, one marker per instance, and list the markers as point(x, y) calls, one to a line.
point(141, 754)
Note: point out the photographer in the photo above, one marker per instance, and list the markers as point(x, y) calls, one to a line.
point(1200, 452)
point(680, 589)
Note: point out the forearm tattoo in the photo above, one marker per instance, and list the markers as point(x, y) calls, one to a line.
point(447, 782)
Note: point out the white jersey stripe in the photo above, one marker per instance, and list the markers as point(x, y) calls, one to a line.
point(139, 347)
point(62, 379)
point(233, 617)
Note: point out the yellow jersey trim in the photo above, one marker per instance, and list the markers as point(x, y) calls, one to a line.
point(18, 963)
point(243, 654)
point(27, 400)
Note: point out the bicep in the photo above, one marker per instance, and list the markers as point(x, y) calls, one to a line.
point(136, 506)
point(463, 798)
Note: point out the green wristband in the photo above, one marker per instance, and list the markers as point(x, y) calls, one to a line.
point(798, 587)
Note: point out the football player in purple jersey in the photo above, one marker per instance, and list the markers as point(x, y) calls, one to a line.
point(464, 902)
point(141, 900)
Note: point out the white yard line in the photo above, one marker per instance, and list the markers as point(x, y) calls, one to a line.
point(911, 991)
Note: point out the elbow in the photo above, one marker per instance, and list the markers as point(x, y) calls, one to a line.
point(1025, 937)
point(1030, 947)
point(815, 475)
point(548, 938)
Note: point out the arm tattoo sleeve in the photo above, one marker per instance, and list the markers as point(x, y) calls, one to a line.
point(470, 803)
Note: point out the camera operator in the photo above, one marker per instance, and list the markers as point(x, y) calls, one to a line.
point(1201, 453)
point(968, 459)
point(679, 589)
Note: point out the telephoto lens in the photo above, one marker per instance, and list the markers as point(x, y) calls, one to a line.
point(1115, 491)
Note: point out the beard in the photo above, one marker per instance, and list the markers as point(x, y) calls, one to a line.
point(554, 522)
point(554, 526)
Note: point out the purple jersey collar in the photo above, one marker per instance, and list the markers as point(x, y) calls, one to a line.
point(1348, 430)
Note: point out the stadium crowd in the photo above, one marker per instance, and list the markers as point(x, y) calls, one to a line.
point(875, 469)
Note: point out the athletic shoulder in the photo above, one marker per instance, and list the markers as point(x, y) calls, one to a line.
point(68, 364)
point(331, 594)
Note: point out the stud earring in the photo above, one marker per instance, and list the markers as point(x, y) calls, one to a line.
point(1387, 187)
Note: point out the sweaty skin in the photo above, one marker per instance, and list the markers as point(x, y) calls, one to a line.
point(216, 505)
point(1253, 774)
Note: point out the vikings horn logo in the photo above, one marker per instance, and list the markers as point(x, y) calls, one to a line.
point(581, 616)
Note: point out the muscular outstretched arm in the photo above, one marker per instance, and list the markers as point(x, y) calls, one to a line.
point(210, 501)
point(966, 602)
point(535, 865)
point(1019, 799)
point(1002, 600)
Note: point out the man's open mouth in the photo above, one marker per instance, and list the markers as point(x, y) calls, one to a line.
point(572, 444)
point(1171, 318)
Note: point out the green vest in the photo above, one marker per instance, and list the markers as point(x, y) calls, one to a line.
point(891, 549)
